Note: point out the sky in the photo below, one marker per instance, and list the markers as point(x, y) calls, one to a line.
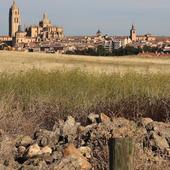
point(85, 17)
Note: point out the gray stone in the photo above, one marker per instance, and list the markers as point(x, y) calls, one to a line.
point(44, 137)
point(43, 141)
point(21, 151)
point(69, 129)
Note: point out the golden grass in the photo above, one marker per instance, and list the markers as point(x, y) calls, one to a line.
point(23, 61)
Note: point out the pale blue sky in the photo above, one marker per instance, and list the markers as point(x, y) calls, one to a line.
point(80, 17)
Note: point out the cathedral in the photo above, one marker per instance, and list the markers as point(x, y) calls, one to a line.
point(44, 31)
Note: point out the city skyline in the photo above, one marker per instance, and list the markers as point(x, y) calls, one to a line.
point(85, 17)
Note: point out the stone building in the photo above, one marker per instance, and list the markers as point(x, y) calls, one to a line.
point(145, 38)
point(21, 37)
point(45, 30)
point(14, 19)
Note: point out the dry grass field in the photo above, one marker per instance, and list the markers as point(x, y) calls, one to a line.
point(36, 89)
point(21, 61)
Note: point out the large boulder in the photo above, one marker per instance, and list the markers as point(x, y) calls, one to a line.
point(71, 151)
point(69, 129)
point(47, 138)
point(34, 151)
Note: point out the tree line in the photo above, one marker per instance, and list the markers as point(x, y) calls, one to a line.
point(123, 51)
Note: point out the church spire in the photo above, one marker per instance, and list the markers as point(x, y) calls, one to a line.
point(133, 27)
point(14, 5)
point(45, 17)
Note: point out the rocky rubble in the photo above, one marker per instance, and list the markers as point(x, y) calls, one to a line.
point(71, 146)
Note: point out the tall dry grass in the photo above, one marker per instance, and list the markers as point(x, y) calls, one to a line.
point(37, 98)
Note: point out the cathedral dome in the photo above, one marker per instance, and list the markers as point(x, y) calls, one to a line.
point(98, 33)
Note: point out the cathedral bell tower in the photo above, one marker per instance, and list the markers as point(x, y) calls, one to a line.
point(14, 19)
point(133, 34)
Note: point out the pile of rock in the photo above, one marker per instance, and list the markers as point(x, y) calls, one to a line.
point(157, 137)
point(71, 146)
